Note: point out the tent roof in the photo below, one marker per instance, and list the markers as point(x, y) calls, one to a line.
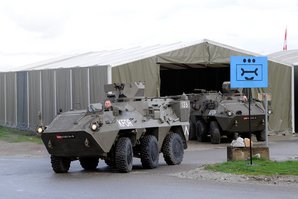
point(107, 57)
point(124, 56)
point(117, 57)
point(288, 56)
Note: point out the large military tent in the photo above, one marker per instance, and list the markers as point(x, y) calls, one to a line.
point(75, 81)
point(290, 57)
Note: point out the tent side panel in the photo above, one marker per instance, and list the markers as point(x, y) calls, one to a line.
point(2, 100)
point(98, 78)
point(22, 109)
point(143, 70)
point(220, 54)
point(204, 53)
point(190, 55)
point(63, 89)
point(79, 88)
point(48, 101)
point(34, 98)
point(10, 100)
point(280, 87)
point(296, 95)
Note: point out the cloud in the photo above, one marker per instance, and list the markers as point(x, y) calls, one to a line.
point(41, 18)
point(56, 27)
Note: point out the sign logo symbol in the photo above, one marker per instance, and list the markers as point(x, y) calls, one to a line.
point(249, 71)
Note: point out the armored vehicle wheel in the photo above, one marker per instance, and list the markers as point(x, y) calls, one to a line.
point(149, 152)
point(192, 130)
point(173, 149)
point(89, 163)
point(60, 164)
point(124, 155)
point(261, 136)
point(245, 135)
point(232, 136)
point(110, 159)
point(214, 132)
point(110, 163)
point(201, 131)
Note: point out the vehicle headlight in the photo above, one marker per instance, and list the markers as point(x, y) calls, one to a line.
point(269, 112)
point(229, 113)
point(94, 126)
point(40, 130)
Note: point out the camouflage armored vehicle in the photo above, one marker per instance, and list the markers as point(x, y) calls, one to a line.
point(217, 114)
point(128, 125)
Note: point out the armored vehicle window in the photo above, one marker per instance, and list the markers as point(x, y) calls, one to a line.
point(94, 107)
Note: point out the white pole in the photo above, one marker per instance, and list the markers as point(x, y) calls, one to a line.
point(266, 118)
point(28, 102)
point(40, 93)
point(70, 88)
point(55, 94)
point(293, 100)
point(16, 98)
point(88, 85)
point(5, 109)
point(109, 74)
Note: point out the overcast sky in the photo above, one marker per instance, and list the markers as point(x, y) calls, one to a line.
point(34, 30)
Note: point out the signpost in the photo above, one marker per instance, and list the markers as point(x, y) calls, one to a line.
point(249, 72)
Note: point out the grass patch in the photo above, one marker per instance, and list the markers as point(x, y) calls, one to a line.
point(259, 167)
point(14, 135)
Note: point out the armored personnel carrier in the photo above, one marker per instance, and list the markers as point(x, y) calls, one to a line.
point(127, 125)
point(217, 114)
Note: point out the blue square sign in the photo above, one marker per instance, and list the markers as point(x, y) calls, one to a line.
point(249, 72)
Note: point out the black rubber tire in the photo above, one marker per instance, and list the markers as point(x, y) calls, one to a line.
point(245, 135)
point(89, 163)
point(173, 149)
point(201, 131)
point(232, 136)
point(192, 131)
point(110, 163)
point(214, 133)
point(124, 155)
point(110, 159)
point(149, 152)
point(261, 136)
point(60, 164)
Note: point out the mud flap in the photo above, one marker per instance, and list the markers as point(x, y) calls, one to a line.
point(186, 131)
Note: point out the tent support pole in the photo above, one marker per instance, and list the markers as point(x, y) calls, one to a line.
point(109, 72)
point(16, 98)
point(70, 88)
point(5, 101)
point(28, 102)
point(88, 85)
point(55, 93)
point(293, 101)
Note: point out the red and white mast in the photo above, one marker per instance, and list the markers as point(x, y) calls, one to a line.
point(285, 47)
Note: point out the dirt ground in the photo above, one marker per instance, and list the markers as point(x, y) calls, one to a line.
point(33, 149)
point(22, 149)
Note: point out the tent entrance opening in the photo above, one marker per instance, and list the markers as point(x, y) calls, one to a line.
point(177, 81)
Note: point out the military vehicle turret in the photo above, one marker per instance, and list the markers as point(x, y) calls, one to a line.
point(218, 114)
point(128, 125)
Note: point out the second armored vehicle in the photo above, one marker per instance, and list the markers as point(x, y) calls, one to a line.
point(129, 125)
point(218, 114)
